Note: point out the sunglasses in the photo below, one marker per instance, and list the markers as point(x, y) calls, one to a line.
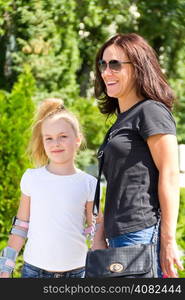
point(114, 65)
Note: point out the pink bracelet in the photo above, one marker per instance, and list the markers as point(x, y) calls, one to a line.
point(88, 230)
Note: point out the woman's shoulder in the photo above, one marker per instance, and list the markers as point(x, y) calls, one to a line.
point(152, 109)
point(153, 105)
point(155, 118)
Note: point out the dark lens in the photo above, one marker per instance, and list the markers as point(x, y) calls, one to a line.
point(102, 65)
point(115, 65)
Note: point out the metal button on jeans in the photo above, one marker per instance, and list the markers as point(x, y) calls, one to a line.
point(57, 275)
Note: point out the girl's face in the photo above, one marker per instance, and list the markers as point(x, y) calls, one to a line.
point(119, 84)
point(59, 140)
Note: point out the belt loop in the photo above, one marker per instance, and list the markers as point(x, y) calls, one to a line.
point(40, 272)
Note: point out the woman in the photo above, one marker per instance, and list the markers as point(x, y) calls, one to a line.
point(141, 153)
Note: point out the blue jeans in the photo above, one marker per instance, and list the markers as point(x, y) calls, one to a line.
point(29, 271)
point(144, 236)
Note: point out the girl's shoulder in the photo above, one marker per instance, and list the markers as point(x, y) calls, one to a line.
point(28, 178)
point(87, 176)
point(90, 183)
point(33, 171)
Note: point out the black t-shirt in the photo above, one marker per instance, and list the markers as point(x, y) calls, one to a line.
point(132, 178)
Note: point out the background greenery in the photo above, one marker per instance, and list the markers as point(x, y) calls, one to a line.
point(48, 49)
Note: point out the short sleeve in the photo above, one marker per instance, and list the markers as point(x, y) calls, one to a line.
point(155, 118)
point(25, 183)
point(92, 188)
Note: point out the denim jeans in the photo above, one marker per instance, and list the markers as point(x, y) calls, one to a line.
point(29, 271)
point(144, 236)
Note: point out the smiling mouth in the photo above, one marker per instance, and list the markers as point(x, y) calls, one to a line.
point(111, 83)
point(57, 151)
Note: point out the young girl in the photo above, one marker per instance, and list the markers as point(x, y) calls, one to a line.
point(56, 201)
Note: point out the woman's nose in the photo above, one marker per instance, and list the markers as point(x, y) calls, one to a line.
point(107, 71)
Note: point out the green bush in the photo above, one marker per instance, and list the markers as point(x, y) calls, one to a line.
point(181, 229)
point(16, 112)
point(181, 220)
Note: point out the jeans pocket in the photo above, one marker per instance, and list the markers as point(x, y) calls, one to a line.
point(132, 238)
point(29, 271)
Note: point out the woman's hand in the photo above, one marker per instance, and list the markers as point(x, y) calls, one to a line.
point(169, 258)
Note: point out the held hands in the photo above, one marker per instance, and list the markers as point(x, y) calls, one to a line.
point(101, 244)
point(99, 240)
point(169, 258)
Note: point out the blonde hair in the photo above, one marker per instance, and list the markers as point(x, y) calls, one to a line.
point(47, 109)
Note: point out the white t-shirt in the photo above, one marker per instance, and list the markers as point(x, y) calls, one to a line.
point(57, 214)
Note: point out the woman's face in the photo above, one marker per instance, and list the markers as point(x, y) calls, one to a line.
point(120, 84)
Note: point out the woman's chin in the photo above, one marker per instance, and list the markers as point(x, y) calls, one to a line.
point(111, 94)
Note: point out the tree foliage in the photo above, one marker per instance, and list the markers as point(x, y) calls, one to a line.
point(16, 112)
point(59, 40)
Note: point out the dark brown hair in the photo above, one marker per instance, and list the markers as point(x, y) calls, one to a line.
point(149, 80)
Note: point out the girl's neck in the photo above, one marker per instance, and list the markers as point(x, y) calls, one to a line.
point(61, 169)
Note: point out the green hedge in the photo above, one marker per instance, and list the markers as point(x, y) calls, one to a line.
point(181, 220)
point(181, 229)
point(16, 112)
